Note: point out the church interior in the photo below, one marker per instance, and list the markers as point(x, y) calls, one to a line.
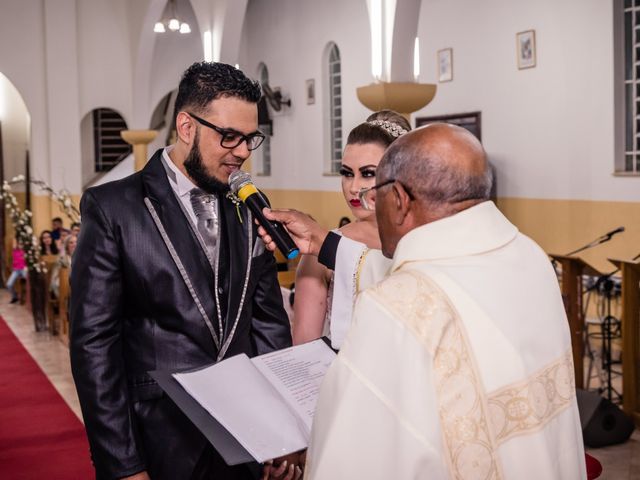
point(551, 88)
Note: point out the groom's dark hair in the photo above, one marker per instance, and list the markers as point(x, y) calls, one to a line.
point(203, 82)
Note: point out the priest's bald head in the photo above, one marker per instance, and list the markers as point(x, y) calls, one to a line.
point(430, 173)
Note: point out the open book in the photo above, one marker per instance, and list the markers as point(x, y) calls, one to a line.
point(267, 402)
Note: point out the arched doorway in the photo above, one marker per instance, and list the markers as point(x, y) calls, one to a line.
point(15, 140)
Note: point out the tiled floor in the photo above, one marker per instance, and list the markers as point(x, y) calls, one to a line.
point(620, 462)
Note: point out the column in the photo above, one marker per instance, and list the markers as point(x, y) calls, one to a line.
point(139, 139)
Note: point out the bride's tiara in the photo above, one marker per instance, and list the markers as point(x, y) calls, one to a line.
point(391, 128)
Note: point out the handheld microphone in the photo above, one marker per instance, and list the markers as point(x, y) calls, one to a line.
point(241, 184)
point(613, 232)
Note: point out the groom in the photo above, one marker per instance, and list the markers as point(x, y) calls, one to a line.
point(169, 275)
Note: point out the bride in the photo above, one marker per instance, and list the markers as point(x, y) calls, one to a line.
point(365, 146)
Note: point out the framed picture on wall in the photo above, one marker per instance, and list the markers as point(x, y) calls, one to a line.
point(311, 91)
point(526, 49)
point(445, 65)
point(472, 121)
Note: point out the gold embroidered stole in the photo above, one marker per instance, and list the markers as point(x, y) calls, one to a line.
point(474, 422)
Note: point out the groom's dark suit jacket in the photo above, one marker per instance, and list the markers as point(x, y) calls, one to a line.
point(132, 311)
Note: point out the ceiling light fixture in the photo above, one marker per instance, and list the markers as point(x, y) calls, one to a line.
point(171, 21)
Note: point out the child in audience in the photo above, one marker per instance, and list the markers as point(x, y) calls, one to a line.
point(18, 269)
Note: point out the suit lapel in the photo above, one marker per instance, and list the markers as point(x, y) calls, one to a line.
point(179, 231)
point(235, 231)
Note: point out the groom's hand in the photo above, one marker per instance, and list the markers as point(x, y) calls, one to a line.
point(288, 467)
point(304, 230)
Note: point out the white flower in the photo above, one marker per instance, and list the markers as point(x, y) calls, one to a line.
point(67, 202)
point(28, 230)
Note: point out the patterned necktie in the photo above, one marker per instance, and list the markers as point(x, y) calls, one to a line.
point(205, 207)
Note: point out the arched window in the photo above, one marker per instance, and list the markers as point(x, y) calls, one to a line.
point(335, 108)
point(109, 147)
point(627, 78)
point(265, 126)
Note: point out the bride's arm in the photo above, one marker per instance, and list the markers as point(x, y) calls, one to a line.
point(310, 305)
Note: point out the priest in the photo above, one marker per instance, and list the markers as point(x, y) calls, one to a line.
point(458, 361)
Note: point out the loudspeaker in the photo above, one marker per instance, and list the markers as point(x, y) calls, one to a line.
point(603, 423)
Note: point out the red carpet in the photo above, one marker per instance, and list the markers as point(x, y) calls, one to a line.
point(40, 437)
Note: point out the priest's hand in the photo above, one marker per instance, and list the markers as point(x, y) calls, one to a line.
point(289, 467)
point(304, 230)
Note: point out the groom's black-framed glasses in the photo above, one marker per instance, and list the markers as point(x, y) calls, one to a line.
point(230, 138)
point(366, 195)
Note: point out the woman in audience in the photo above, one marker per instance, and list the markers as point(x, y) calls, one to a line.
point(365, 145)
point(64, 261)
point(64, 234)
point(47, 245)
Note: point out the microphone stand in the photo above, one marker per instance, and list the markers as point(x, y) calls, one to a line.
point(603, 239)
point(598, 241)
point(610, 328)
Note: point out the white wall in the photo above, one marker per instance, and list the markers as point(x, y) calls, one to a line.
point(548, 129)
point(290, 36)
point(104, 57)
point(22, 57)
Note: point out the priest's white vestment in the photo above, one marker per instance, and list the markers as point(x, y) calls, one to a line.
point(457, 364)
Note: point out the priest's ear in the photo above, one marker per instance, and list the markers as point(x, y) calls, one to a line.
point(185, 127)
point(402, 201)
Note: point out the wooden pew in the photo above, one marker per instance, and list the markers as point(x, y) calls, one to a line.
point(50, 262)
point(63, 305)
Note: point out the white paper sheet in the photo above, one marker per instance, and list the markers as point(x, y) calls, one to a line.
point(267, 403)
point(297, 373)
point(242, 400)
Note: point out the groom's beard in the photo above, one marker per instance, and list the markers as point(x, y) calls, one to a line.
point(198, 172)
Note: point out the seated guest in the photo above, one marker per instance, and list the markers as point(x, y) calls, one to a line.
point(64, 261)
point(56, 228)
point(64, 234)
point(75, 228)
point(314, 284)
point(47, 244)
point(344, 221)
point(445, 372)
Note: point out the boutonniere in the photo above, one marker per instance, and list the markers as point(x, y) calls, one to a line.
point(236, 201)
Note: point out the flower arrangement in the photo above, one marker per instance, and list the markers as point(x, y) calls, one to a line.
point(22, 220)
point(63, 197)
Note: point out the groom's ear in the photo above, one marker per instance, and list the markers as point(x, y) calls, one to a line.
point(185, 127)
